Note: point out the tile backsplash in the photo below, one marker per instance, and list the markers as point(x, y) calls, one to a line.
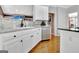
point(38, 23)
point(8, 23)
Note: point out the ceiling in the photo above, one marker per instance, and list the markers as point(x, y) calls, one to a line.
point(62, 6)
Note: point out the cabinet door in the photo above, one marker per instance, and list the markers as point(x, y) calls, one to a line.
point(45, 33)
point(75, 44)
point(65, 42)
point(30, 40)
point(40, 12)
point(70, 44)
point(36, 37)
point(44, 13)
point(15, 47)
point(27, 43)
point(37, 13)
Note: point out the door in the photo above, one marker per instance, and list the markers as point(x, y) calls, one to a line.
point(51, 22)
point(27, 43)
point(36, 37)
point(65, 42)
point(75, 44)
point(14, 47)
point(40, 12)
point(46, 33)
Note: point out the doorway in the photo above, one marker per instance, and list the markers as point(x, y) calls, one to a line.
point(51, 22)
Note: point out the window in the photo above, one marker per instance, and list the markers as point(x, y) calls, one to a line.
point(73, 20)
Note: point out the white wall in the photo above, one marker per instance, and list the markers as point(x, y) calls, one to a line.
point(73, 9)
point(60, 20)
point(54, 10)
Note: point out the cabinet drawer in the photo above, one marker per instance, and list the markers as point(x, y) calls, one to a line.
point(7, 36)
point(13, 35)
point(35, 34)
point(46, 30)
point(20, 33)
point(14, 47)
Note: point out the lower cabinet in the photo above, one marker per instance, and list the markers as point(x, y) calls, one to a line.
point(69, 42)
point(14, 47)
point(75, 44)
point(22, 44)
point(46, 33)
point(27, 43)
point(30, 40)
point(65, 44)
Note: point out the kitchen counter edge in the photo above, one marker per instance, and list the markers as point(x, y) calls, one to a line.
point(68, 30)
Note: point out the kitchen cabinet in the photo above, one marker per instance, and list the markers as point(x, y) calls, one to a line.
point(30, 40)
point(20, 41)
point(36, 37)
point(64, 42)
point(14, 47)
point(18, 9)
point(46, 33)
point(40, 12)
point(69, 42)
point(12, 42)
point(27, 43)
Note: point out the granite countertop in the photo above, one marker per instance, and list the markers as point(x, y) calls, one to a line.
point(20, 29)
point(15, 30)
point(75, 30)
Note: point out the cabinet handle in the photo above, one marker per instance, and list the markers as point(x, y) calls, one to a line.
point(21, 40)
point(32, 36)
point(14, 35)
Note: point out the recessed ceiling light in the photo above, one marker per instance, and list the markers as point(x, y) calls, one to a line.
point(16, 10)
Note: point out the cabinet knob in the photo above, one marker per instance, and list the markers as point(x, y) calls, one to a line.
point(21, 40)
point(14, 35)
point(32, 36)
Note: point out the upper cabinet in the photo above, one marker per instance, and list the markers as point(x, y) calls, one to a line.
point(1, 12)
point(40, 12)
point(18, 9)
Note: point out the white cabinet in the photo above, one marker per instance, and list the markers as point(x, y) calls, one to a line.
point(18, 9)
point(14, 47)
point(40, 12)
point(30, 40)
point(65, 42)
point(27, 43)
point(46, 33)
point(20, 41)
point(69, 42)
point(74, 47)
point(36, 37)
point(12, 42)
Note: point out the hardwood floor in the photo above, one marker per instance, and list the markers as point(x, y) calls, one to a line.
point(49, 46)
point(54, 45)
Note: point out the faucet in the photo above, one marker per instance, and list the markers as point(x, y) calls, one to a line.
point(21, 23)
